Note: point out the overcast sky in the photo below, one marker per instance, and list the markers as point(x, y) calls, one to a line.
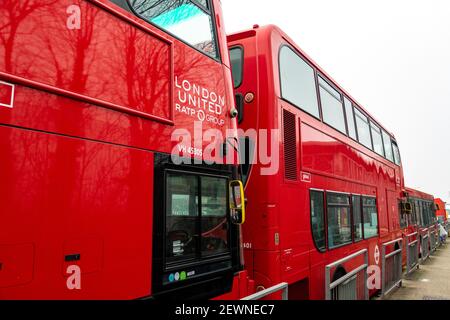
point(392, 56)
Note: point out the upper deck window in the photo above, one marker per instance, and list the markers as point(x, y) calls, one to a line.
point(377, 140)
point(237, 65)
point(204, 3)
point(332, 108)
point(397, 159)
point(362, 125)
point(188, 20)
point(350, 118)
point(298, 84)
point(388, 146)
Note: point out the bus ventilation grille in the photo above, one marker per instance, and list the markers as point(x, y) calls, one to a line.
point(290, 146)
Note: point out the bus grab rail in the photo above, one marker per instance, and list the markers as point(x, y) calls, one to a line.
point(264, 293)
point(433, 238)
point(425, 243)
point(392, 274)
point(330, 286)
point(412, 252)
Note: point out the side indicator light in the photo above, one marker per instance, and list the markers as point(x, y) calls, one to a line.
point(249, 97)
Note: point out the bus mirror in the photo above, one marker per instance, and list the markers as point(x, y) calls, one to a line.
point(237, 202)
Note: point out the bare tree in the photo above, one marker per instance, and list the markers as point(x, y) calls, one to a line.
point(154, 8)
point(13, 13)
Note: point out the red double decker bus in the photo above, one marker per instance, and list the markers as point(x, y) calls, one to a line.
point(340, 183)
point(423, 219)
point(441, 213)
point(95, 202)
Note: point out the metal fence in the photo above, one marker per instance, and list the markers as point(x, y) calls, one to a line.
point(444, 239)
point(412, 252)
point(434, 238)
point(391, 266)
point(283, 287)
point(438, 235)
point(425, 245)
point(351, 286)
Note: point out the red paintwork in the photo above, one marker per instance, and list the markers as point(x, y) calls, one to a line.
point(76, 149)
point(327, 160)
point(413, 193)
point(243, 286)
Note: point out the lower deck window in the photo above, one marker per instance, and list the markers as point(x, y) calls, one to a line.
point(318, 219)
point(349, 218)
point(423, 212)
point(357, 218)
point(412, 218)
point(403, 216)
point(370, 217)
point(339, 220)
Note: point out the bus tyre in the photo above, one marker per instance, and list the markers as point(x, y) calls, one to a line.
point(339, 273)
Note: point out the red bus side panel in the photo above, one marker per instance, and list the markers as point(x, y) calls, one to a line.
point(66, 197)
point(88, 60)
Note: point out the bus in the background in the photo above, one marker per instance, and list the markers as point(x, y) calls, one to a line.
point(95, 203)
point(441, 212)
point(447, 209)
point(424, 213)
point(331, 210)
point(447, 225)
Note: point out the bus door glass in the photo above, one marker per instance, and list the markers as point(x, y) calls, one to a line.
point(197, 223)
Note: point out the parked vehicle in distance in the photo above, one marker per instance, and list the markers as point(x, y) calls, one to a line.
point(424, 215)
point(448, 222)
point(441, 212)
point(340, 183)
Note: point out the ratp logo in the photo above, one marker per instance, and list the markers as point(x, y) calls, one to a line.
point(376, 255)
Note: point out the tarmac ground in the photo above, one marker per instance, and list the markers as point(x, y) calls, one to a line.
point(430, 282)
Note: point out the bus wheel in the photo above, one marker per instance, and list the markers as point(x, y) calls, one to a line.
point(339, 273)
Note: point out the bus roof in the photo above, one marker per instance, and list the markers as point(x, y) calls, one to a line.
point(269, 29)
point(419, 194)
